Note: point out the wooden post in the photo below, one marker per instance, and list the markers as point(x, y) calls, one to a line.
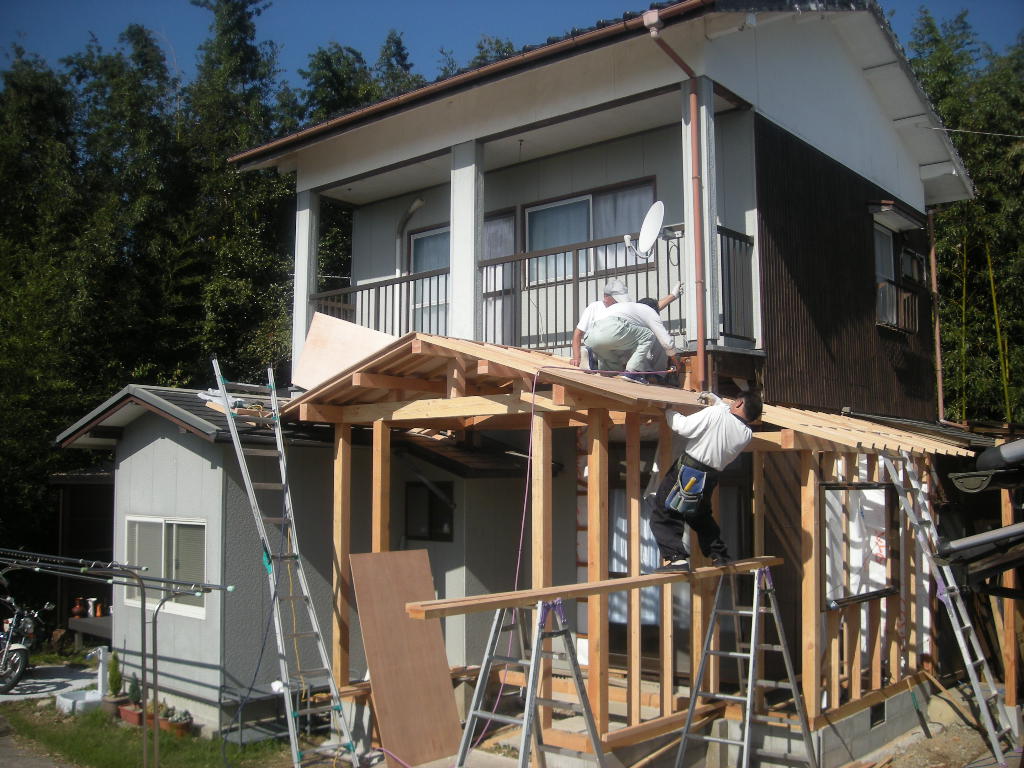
point(541, 536)
point(810, 558)
point(758, 511)
point(668, 650)
point(875, 642)
point(1009, 580)
point(381, 536)
point(597, 565)
point(341, 580)
point(633, 643)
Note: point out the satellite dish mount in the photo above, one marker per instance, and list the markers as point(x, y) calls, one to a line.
point(649, 232)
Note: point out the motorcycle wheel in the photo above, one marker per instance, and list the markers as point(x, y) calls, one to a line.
point(12, 670)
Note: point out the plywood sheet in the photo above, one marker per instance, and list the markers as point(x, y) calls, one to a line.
point(412, 689)
point(333, 345)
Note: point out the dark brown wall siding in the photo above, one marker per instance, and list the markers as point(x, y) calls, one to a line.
point(815, 240)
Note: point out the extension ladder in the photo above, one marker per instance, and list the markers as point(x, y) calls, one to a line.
point(532, 734)
point(300, 685)
point(991, 707)
point(747, 663)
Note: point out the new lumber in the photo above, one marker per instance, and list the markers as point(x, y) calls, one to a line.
point(527, 598)
point(419, 410)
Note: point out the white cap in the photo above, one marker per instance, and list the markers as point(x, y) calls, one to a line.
point(617, 290)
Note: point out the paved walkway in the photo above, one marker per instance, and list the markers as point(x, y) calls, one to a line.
point(24, 753)
point(40, 682)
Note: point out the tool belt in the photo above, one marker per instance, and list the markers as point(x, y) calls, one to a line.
point(688, 488)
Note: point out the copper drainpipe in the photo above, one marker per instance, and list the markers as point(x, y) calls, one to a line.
point(653, 22)
point(936, 329)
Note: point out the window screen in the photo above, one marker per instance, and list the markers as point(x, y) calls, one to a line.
point(143, 547)
point(185, 556)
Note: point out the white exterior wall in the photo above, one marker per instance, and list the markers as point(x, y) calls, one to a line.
point(162, 472)
point(798, 73)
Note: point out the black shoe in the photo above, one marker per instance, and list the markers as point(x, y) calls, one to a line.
point(680, 565)
point(718, 561)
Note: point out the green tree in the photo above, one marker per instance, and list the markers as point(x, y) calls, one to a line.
point(339, 81)
point(39, 202)
point(393, 69)
point(243, 220)
point(490, 49)
point(980, 96)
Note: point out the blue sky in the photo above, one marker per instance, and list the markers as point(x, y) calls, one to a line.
point(56, 28)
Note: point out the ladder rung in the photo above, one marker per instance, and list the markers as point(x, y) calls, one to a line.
point(285, 556)
point(782, 757)
point(570, 706)
point(511, 660)
point(308, 633)
point(730, 654)
point(779, 721)
point(238, 386)
point(560, 655)
point(734, 612)
point(330, 749)
point(781, 684)
point(488, 715)
point(260, 451)
point(318, 710)
point(309, 672)
point(714, 739)
point(723, 696)
point(552, 749)
point(268, 486)
point(769, 647)
point(275, 520)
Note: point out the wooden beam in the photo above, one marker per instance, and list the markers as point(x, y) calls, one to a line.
point(496, 371)
point(402, 383)
point(597, 566)
point(667, 639)
point(1009, 580)
point(455, 378)
point(633, 514)
point(381, 494)
point(527, 598)
point(429, 409)
point(810, 557)
point(421, 347)
point(792, 440)
point(341, 574)
point(541, 535)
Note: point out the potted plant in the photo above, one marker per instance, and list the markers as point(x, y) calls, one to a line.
point(114, 699)
point(165, 713)
point(131, 712)
point(181, 722)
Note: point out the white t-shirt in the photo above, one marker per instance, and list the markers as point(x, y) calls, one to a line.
point(593, 311)
point(714, 436)
point(641, 314)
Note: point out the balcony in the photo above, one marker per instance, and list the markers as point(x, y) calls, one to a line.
point(534, 300)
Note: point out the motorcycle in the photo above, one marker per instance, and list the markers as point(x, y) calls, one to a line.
point(16, 640)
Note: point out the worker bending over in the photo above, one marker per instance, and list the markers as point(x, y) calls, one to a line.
point(622, 334)
point(715, 436)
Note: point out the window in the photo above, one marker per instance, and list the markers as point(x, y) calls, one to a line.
point(428, 251)
point(170, 549)
point(607, 213)
point(427, 516)
point(896, 304)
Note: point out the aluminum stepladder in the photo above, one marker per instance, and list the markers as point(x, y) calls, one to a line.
point(747, 663)
point(992, 709)
point(286, 576)
point(532, 736)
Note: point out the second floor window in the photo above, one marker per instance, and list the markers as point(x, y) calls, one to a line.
point(596, 216)
point(896, 304)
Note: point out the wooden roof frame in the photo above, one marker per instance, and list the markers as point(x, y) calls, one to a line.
point(422, 380)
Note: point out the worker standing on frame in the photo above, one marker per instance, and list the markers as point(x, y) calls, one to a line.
point(715, 436)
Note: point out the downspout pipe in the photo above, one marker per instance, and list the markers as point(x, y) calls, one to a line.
point(936, 327)
point(652, 20)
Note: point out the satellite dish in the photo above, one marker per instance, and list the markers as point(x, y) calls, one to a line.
point(649, 232)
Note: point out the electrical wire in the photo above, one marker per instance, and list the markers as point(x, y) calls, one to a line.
point(982, 133)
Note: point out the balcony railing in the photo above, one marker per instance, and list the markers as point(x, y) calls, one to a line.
point(534, 300)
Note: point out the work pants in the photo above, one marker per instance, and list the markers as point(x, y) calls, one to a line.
point(620, 344)
point(668, 526)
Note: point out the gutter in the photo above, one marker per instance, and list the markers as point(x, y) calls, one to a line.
point(653, 21)
point(569, 45)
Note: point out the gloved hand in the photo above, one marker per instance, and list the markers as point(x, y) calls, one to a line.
point(680, 288)
point(704, 398)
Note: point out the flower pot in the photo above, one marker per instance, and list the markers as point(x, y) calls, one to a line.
point(131, 714)
point(178, 729)
point(112, 704)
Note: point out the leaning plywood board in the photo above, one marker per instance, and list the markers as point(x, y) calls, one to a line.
point(412, 689)
point(332, 345)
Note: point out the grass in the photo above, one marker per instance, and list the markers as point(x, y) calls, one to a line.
point(93, 739)
point(74, 658)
